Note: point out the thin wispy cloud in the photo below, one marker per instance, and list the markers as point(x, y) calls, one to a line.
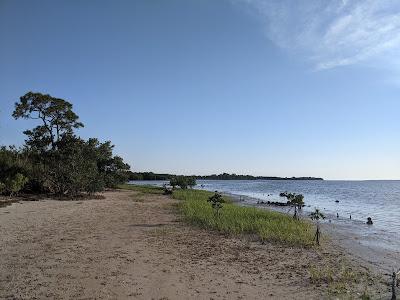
point(333, 33)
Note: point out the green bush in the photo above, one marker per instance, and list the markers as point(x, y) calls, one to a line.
point(12, 170)
point(87, 166)
point(216, 201)
point(182, 181)
point(14, 184)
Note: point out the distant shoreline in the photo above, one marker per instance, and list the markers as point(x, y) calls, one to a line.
point(261, 178)
point(137, 176)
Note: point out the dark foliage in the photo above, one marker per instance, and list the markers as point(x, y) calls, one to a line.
point(12, 171)
point(148, 176)
point(216, 201)
point(54, 160)
point(182, 181)
point(191, 181)
point(56, 116)
point(223, 176)
point(226, 176)
point(295, 200)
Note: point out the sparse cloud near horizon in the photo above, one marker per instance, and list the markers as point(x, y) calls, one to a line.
point(334, 33)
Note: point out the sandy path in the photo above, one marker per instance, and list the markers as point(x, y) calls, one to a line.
point(130, 245)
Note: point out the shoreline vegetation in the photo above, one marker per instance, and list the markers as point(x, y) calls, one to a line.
point(133, 176)
point(54, 160)
point(343, 279)
point(264, 225)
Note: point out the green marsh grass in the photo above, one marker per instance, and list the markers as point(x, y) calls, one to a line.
point(267, 225)
point(235, 219)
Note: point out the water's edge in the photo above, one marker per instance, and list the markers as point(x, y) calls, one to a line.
point(371, 256)
point(376, 246)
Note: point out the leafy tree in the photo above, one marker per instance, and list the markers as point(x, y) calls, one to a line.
point(295, 200)
point(113, 169)
point(316, 216)
point(182, 182)
point(56, 116)
point(191, 181)
point(87, 166)
point(216, 201)
point(70, 170)
point(57, 161)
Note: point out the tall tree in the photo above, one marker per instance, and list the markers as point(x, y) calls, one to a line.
point(56, 115)
point(58, 161)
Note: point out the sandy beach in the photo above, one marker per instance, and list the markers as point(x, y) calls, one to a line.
point(133, 246)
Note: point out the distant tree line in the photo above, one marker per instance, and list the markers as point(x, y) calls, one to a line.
point(148, 176)
point(174, 180)
point(226, 176)
point(223, 176)
point(53, 158)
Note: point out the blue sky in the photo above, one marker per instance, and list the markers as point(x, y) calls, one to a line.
point(245, 86)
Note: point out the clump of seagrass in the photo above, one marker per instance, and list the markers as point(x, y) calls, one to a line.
point(316, 216)
point(216, 201)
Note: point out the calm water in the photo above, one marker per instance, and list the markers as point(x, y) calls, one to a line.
point(379, 200)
